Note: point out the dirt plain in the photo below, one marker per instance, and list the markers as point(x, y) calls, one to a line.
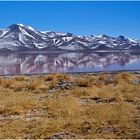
point(70, 106)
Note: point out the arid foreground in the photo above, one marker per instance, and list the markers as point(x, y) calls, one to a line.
point(70, 106)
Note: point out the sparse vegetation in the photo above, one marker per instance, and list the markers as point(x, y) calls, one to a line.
point(70, 106)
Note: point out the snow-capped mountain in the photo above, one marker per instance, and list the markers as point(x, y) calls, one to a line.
point(19, 37)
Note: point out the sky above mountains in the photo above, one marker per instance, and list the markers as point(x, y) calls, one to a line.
point(80, 18)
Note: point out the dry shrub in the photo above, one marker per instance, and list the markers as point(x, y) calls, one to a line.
point(129, 97)
point(63, 106)
point(19, 86)
point(125, 77)
point(14, 84)
point(14, 103)
point(7, 112)
point(7, 83)
point(115, 114)
point(103, 77)
point(49, 77)
point(53, 78)
point(62, 77)
point(22, 78)
point(36, 85)
point(118, 96)
point(46, 127)
point(106, 92)
point(13, 129)
point(1, 80)
point(85, 82)
point(33, 85)
point(78, 92)
point(56, 77)
point(51, 85)
point(13, 110)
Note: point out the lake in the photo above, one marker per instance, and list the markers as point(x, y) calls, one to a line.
point(40, 63)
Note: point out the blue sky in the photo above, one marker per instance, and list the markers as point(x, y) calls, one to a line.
point(81, 18)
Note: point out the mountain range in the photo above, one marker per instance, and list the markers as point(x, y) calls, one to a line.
point(19, 37)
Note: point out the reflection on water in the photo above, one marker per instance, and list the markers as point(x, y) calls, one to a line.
point(16, 63)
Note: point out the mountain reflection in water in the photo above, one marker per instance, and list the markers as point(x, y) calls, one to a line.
point(33, 63)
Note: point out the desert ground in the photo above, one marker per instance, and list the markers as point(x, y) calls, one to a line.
point(70, 106)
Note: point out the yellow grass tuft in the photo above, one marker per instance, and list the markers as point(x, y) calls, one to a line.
point(37, 85)
point(63, 106)
point(78, 92)
point(22, 78)
point(85, 82)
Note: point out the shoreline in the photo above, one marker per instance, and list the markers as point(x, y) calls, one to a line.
point(76, 73)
